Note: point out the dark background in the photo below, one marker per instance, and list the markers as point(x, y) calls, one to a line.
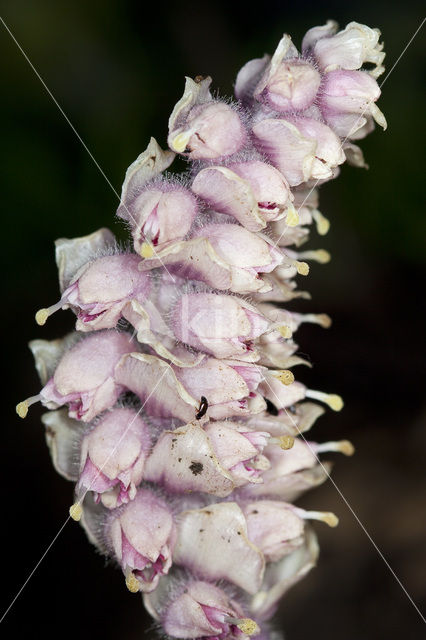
point(117, 68)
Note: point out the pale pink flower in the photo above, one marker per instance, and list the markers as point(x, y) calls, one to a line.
point(112, 457)
point(204, 128)
point(142, 536)
point(215, 458)
point(201, 610)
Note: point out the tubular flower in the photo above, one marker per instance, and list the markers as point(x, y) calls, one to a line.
point(112, 457)
point(173, 406)
point(142, 537)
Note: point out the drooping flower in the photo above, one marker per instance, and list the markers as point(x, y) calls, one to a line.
point(214, 458)
point(222, 325)
point(85, 376)
point(204, 128)
point(142, 536)
point(113, 456)
point(100, 292)
point(201, 610)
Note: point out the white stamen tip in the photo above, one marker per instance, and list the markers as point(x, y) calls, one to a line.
point(132, 583)
point(41, 316)
point(147, 250)
point(285, 376)
point(76, 511)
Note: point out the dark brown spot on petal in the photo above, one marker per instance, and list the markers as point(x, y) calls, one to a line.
point(196, 467)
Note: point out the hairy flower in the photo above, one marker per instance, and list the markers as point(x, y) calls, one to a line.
point(112, 457)
point(202, 610)
point(85, 376)
point(185, 438)
point(142, 537)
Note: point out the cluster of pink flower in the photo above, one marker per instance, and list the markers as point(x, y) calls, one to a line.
point(181, 413)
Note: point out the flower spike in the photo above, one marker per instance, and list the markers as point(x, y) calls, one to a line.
point(174, 406)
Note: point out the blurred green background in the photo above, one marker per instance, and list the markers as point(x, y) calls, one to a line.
point(117, 68)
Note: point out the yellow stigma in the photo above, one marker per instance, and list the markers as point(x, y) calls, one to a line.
point(330, 518)
point(323, 225)
point(147, 250)
point(302, 268)
point(346, 447)
point(132, 583)
point(324, 320)
point(285, 331)
point(322, 256)
point(248, 626)
point(285, 376)
point(292, 218)
point(335, 402)
point(76, 511)
point(22, 409)
point(41, 316)
point(286, 442)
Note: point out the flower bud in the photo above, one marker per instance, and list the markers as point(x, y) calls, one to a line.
point(112, 457)
point(142, 536)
